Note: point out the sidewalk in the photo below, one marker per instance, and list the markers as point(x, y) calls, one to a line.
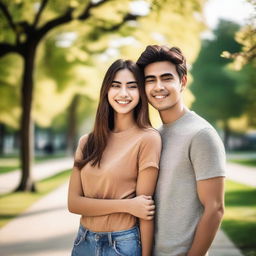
point(47, 228)
point(242, 174)
point(9, 181)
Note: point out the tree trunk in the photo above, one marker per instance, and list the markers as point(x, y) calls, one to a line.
point(226, 135)
point(2, 136)
point(27, 126)
point(72, 125)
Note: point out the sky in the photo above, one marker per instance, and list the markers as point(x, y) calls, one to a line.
point(235, 10)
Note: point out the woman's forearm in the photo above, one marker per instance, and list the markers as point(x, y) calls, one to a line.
point(139, 206)
point(147, 235)
point(97, 207)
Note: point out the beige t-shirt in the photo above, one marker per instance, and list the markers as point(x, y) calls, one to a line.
point(127, 153)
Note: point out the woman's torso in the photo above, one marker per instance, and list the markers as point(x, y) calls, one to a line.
point(115, 179)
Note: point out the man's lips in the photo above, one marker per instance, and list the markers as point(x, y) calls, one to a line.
point(160, 96)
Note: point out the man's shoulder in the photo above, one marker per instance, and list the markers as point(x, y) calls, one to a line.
point(189, 126)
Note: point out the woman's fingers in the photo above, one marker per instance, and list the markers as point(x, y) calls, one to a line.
point(150, 213)
point(151, 207)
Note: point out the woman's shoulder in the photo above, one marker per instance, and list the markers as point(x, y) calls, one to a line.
point(83, 139)
point(150, 134)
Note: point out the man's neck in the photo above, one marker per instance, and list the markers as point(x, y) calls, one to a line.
point(172, 114)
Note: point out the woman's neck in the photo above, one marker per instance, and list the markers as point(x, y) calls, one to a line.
point(123, 122)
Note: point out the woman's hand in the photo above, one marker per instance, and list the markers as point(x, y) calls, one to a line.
point(142, 207)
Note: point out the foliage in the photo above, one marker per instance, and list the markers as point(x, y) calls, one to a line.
point(70, 57)
point(215, 85)
point(246, 36)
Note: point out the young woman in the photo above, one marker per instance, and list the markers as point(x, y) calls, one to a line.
point(116, 169)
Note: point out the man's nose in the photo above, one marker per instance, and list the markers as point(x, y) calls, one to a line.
point(158, 86)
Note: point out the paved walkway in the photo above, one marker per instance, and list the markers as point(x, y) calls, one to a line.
point(47, 228)
point(9, 181)
point(242, 174)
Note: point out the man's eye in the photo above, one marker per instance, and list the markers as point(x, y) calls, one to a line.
point(167, 78)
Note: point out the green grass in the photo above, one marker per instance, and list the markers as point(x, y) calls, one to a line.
point(11, 163)
point(249, 162)
point(239, 221)
point(13, 204)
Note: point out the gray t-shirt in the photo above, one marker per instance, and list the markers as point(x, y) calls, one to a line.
point(192, 151)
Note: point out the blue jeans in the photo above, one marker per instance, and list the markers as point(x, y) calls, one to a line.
point(119, 243)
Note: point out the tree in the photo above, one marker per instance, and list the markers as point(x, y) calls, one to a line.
point(214, 84)
point(244, 62)
point(28, 25)
point(23, 37)
point(246, 36)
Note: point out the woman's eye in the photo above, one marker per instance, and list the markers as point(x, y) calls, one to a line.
point(133, 86)
point(115, 85)
point(149, 81)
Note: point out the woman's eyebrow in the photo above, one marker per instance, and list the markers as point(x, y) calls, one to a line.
point(132, 82)
point(117, 82)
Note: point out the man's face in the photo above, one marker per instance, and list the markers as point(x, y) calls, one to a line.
point(162, 84)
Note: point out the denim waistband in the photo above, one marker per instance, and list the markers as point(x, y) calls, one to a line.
point(111, 237)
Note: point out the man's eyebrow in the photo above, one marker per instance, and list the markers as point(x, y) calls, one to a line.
point(167, 74)
point(146, 77)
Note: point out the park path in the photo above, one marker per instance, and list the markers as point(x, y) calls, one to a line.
point(47, 228)
point(9, 181)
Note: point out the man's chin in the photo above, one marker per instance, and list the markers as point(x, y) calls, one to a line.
point(159, 107)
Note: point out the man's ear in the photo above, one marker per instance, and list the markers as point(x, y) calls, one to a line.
point(183, 83)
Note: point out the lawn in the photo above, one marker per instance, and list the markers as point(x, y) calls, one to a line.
point(13, 204)
point(240, 216)
point(248, 162)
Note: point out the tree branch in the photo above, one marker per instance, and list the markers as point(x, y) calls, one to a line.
point(98, 30)
point(86, 12)
point(7, 48)
point(128, 17)
point(56, 22)
point(8, 16)
point(68, 17)
point(38, 15)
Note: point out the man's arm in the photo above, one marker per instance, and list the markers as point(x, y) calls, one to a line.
point(79, 204)
point(146, 184)
point(211, 195)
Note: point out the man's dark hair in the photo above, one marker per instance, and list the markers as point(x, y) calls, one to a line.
point(155, 53)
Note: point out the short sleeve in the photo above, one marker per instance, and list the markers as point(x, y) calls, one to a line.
point(207, 155)
point(150, 150)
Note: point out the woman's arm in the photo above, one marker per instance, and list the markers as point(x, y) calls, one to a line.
point(146, 184)
point(140, 206)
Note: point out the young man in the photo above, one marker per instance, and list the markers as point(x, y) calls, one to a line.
point(190, 190)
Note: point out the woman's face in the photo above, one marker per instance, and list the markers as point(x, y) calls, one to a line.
point(123, 95)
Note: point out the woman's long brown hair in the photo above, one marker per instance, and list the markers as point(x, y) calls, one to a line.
point(104, 121)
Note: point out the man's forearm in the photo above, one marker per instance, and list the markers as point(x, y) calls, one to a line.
point(206, 231)
point(147, 234)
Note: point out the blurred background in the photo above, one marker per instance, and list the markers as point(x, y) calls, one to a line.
point(53, 56)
